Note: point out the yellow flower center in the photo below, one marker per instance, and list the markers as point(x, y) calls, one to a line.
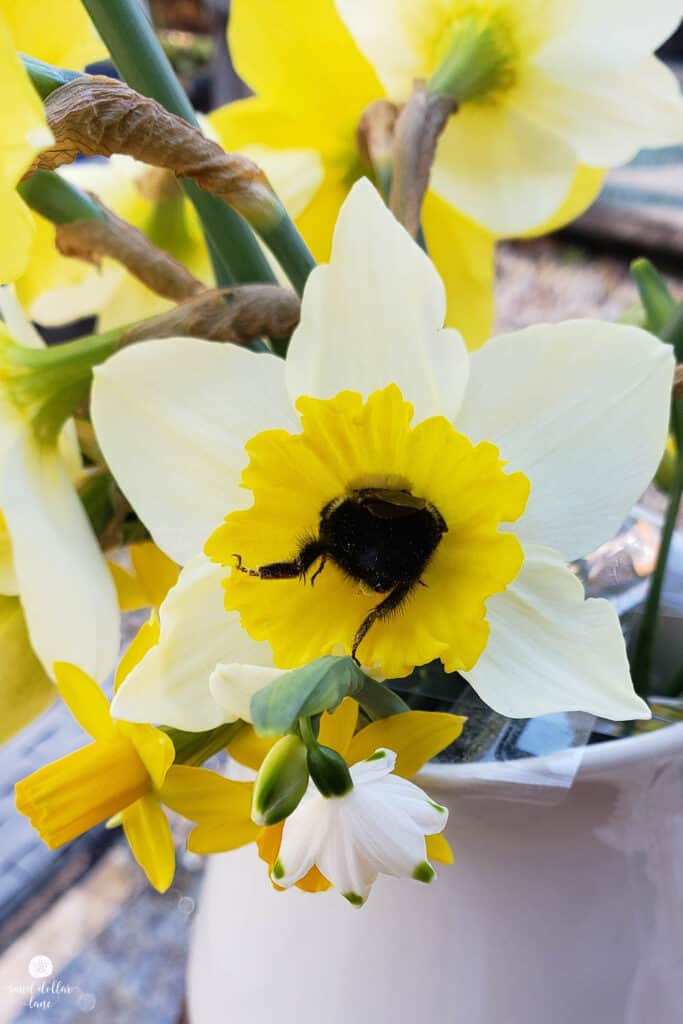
point(70, 796)
point(372, 536)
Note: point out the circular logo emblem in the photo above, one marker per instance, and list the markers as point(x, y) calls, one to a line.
point(40, 967)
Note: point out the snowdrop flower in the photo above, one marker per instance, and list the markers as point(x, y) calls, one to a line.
point(377, 827)
point(473, 478)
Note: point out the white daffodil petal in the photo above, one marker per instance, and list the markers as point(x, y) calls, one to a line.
point(232, 686)
point(588, 110)
point(172, 418)
point(582, 408)
point(633, 30)
point(550, 650)
point(18, 327)
point(374, 315)
point(171, 683)
point(66, 590)
point(397, 37)
point(502, 170)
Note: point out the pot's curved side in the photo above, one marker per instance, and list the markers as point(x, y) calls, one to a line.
point(564, 905)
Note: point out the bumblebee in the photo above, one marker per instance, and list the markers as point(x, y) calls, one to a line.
point(380, 538)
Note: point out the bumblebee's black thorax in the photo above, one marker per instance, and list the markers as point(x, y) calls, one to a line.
point(379, 537)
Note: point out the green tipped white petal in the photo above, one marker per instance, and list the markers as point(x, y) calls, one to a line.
point(170, 685)
point(374, 315)
point(582, 408)
point(550, 650)
point(172, 417)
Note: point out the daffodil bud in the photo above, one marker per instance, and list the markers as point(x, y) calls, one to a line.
point(477, 58)
point(329, 771)
point(281, 782)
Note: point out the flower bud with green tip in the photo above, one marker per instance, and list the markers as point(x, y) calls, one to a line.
point(281, 782)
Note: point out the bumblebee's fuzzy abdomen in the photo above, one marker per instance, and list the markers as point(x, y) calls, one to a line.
point(377, 543)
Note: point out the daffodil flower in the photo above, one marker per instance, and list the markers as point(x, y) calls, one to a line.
point(120, 773)
point(473, 480)
point(542, 88)
point(150, 578)
point(23, 130)
point(49, 555)
point(404, 825)
point(573, 89)
point(58, 32)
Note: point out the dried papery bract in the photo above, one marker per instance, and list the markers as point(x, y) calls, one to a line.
point(98, 116)
point(224, 314)
point(92, 239)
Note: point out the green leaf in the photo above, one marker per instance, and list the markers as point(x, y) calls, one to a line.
point(310, 690)
point(655, 296)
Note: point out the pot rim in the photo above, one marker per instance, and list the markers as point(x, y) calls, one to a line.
point(562, 765)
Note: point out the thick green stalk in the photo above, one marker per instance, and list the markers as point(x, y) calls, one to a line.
point(673, 332)
point(57, 200)
point(141, 61)
point(641, 660)
point(656, 298)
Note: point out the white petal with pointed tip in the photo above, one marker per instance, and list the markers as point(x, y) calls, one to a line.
point(374, 315)
point(379, 827)
point(232, 686)
point(550, 650)
point(172, 418)
point(18, 326)
point(66, 590)
point(582, 408)
point(170, 686)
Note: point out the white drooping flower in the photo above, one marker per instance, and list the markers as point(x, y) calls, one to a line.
point(49, 555)
point(527, 453)
point(377, 827)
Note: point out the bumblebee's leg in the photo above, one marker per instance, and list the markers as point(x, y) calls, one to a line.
point(299, 566)
point(323, 563)
point(391, 602)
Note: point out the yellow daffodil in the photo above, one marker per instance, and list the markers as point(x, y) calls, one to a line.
point(152, 576)
point(23, 130)
point(25, 687)
point(49, 556)
point(313, 84)
point(58, 32)
point(485, 473)
point(221, 808)
point(120, 772)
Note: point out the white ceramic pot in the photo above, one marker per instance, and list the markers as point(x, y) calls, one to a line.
point(564, 906)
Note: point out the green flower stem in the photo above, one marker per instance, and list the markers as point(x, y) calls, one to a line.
point(656, 298)
point(672, 332)
point(141, 61)
point(54, 198)
point(45, 77)
point(641, 660)
point(194, 748)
